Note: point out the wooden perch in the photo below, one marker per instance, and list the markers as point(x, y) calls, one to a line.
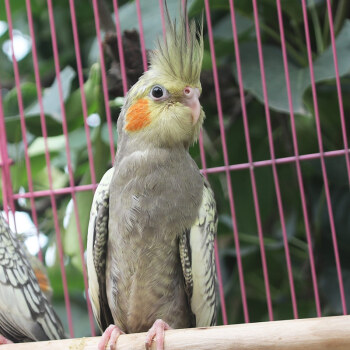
point(307, 334)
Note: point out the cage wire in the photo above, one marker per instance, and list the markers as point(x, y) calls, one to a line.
point(274, 150)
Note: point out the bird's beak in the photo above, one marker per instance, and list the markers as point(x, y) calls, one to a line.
point(191, 99)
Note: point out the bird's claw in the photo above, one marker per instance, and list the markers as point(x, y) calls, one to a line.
point(157, 331)
point(4, 341)
point(111, 335)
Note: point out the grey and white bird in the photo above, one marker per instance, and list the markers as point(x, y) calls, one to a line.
point(150, 250)
point(25, 313)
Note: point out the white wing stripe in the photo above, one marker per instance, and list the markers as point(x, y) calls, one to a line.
point(203, 302)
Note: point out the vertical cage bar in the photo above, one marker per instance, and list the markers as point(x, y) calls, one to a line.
point(297, 161)
point(339, 91)
point(23, 126)
point(2, 175)
point(104, 80)
point(161, 8)
point(226, 160)
point(90, 156)
point(323, 165)
point(38, 88)
point(8, 201)
point(82, 92)
point(3, 183)
point(272, 155)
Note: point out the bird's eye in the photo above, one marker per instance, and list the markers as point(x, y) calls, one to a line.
point(157, 92)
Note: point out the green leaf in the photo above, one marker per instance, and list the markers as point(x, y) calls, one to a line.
point(117, 102)
point(59, 179)
point(151, 20)
point(38, 171)
point(10, 103)
point(74, 111)
point(198, 6)
point(223, 29)
point(105, 134)
point(300, 78)
point(55, 144)
point(11, 110)
point(84, 201)
point(53, 126)
point(311, 3)
point(71, 239)
point(328, 105)
point(51, 105)
point(16, 7)
point(329, 286)
point(51, 101)
point(292, 9)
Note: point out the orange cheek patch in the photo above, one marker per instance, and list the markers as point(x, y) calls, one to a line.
point(137, 116)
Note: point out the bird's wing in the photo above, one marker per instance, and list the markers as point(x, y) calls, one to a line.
point(97, 251)
point(25, 313)
point(198, 261)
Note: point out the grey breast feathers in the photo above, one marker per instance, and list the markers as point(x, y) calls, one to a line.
point(198, 261)
point(97, 252)
point(25, 313)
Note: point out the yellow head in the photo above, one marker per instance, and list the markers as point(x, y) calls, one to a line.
point(163, 107)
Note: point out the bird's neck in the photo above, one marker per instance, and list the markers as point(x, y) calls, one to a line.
point(150, 153)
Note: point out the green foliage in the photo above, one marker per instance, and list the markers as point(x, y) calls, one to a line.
point(299, 76)
point(307, 143)
point(235, 138)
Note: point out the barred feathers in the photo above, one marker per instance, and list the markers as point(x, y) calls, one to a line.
point(25, 312)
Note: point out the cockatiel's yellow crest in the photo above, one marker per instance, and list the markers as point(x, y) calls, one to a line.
point(163, 106)
point(179, 57)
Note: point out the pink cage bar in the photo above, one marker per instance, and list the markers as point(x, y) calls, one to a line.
point(226, 169)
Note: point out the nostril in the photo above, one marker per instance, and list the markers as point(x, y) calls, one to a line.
point(187, 91)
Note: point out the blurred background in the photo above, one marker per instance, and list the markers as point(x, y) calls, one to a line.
point(256, 212)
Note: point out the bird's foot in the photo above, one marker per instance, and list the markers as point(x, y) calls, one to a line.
point(157, 331)
point(111, 335)
point(4, 341)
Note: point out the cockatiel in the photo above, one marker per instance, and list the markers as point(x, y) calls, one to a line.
point(150, 250)
point(25, 313)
